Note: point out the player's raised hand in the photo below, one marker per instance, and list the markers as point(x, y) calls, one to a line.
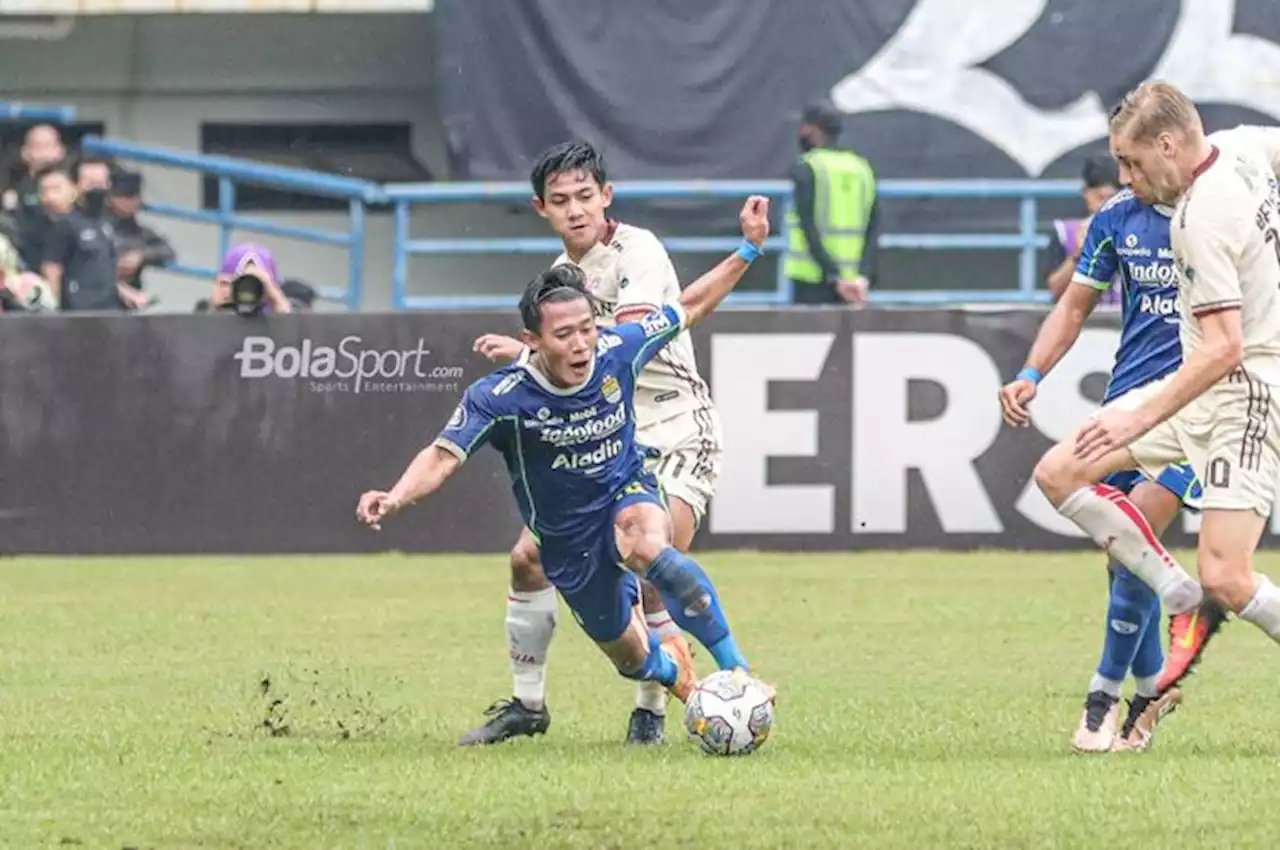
point(1015, 396)
point(1107, 431)
point(754, 219)
point(498, 348)
point(374, 507)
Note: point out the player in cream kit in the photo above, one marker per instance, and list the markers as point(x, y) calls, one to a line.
point(630, 275)
point(1221, 409)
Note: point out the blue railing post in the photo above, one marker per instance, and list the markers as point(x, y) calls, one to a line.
point(355, 255)
point(400, 273)
point(227, 212)
point(1027, 257)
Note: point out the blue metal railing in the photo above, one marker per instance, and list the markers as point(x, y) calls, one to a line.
point(1026, 240)
point(16, 111)
point(359, 194)
point(229, 171)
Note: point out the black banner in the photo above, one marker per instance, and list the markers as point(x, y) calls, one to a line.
point(711, 89)
point(190, 434)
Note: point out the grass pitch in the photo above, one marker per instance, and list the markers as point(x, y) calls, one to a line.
point(926, 701)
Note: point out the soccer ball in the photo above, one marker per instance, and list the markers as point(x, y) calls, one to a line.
point(729, 713)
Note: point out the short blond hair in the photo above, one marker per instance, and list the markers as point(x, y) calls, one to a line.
point(1155, 107)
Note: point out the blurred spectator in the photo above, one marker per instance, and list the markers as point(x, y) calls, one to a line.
point(1101, 181)
point(42, 148)
point(80, 255)
point(247, 284)
point(301, 296)
point(21, 292)
point(137, 247)
point(832, 221)
point(93, 180)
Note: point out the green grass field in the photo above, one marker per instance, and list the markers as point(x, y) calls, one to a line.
point(926, 701)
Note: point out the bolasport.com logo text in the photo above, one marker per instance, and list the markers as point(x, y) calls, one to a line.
point(351, 366)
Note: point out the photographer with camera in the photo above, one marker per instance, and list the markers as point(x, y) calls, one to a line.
point(247, 284)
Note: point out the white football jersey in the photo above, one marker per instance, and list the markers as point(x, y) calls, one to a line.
point(631, 269)
point(1226, 243)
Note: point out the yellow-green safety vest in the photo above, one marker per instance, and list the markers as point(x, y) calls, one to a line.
point(844, 189)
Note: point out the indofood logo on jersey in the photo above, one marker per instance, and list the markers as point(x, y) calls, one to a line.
point(590, 430)
point(351, 366)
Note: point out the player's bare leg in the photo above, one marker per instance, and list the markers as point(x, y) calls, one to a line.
point(1228, 539)
point(648, 719)
point(1132, 605)
point(531, 625)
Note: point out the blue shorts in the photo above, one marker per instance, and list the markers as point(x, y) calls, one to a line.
point(600, 591)
point(1179, 479)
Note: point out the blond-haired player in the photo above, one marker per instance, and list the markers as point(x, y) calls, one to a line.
point(1221, 409)
point(630, 275)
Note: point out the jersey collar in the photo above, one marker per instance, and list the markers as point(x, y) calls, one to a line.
point(544, 382)
point(1208, 161)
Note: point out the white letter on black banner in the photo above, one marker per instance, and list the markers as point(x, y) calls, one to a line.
point(742, 365)
point(1059, 409)
point(886, 444)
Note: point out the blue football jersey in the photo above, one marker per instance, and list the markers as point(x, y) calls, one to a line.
point(1128, 244)
point(570, 452)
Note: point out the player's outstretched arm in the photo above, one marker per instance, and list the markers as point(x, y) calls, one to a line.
point(1059, 332)
point(1222, 351)
point(425, 475)
point(704, 294)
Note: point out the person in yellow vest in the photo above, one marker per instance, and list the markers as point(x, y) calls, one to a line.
point(831, 255)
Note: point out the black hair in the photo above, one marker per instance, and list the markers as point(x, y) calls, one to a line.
point(566, 157)
point(92, 160)
point(1101, 171)
point(564, 282)
point(54, 169)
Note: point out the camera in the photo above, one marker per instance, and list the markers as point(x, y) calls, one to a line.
point(248, 295)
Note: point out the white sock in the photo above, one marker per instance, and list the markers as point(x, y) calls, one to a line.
point(1116, 524)
point(1107, 686)
point(1147, 686)
point(1263, 609)
point(531, 623)
point(652, 696)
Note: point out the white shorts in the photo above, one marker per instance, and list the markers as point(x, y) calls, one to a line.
point(1230, 436)
point(687, 462)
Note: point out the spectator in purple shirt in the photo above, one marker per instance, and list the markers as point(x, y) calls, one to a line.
point(1101, 181)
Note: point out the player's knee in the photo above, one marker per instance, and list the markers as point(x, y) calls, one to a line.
point(1057, 474)
point(643, 545)
point(526, 568)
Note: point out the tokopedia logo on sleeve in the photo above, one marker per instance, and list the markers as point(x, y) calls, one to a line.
point(350, 366)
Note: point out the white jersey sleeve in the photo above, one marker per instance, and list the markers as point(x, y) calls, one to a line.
point(1210, 241)
point(647, 278)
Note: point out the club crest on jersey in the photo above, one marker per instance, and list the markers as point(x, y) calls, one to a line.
point(458, 419)
point(611, 389)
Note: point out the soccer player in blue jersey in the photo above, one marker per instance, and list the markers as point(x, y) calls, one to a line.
point(1127, 245)
point(564, 421)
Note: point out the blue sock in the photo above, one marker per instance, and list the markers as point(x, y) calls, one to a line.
point(1150, 658)
point(1128, 615)
point(691, 598)
point(657, 666)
